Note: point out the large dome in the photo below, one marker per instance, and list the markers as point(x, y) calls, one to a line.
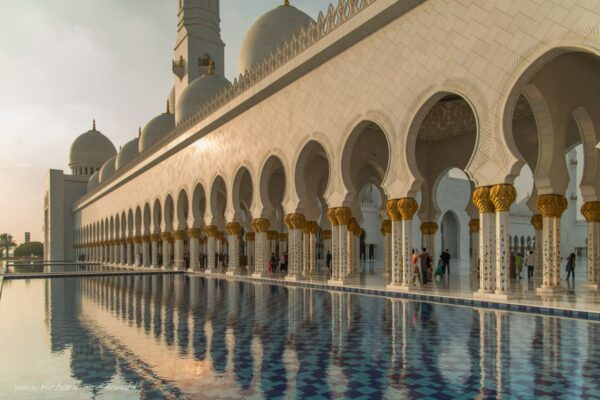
point(197, 93)
point(89, 151)
point(94, 181)
point(127, 153)
point(269, 32)
point(156, 129)
point(107, 169)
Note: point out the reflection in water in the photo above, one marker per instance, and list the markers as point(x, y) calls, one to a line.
point(176, 336)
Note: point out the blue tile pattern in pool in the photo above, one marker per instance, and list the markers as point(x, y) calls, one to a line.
point(177, 336)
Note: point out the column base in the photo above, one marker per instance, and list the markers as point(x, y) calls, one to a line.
point(292, 278)
point(551, 290)
point(489, 295)
point(591, 285)
point(401, 287)
point(232, 273)
point(257, 275)
point(336, 282)
point(210, 271)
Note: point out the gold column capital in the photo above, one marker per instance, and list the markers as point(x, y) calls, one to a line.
point(392, 209)
point(165, 236)
point(326, 234)
point(272, 235)
point(429, 228)
point(261, 224)
point(282, 237)
point(386, 226)
point(474, 225)
point(179, 234)
point(407, 207)
point(481, 199)
point(194, 233)
point(343, 215)
point(211, 230)
point(145, 238)
point(551, 205)
point(234, 228)
point(591, 211)
point(297, 220)
point(155, 237)
point(331, 216)
point(538, 222)
point(502, 196)
point(250, 236)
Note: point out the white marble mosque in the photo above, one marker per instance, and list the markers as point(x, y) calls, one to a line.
point(379, 127)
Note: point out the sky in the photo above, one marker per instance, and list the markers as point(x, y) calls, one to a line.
point(65, 62)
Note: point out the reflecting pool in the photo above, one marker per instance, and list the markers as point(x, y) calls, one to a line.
point(166, 336)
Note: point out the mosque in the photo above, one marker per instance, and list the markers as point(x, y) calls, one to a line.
point(379, 127)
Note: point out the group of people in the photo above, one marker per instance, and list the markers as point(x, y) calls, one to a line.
point(517, 262)
point(281, 266)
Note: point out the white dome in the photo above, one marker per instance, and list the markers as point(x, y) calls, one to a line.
point(197, 93)
point(94, 181)
point(107, 169)
point(127, 153)
point(91, 149)
point(269, 32)
point(156, 129)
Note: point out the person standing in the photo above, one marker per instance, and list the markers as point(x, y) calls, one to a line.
point(571, 266)
point(529, 262)
point(519, 264)
point(512, 271)
point(425, 263)
point(328, 261)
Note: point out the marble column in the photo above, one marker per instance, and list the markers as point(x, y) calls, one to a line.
point(211, 248)
point(312, 248)
point(538, 224)
point(146, 251)
point(386, 230)
point(474, 228)
point(234, 230)
point(261, 246)
point(122, 251)
point(166, 253)
point(179, 260)
point(335, 234)
point(297, 222)
point(487, 244)
point(591, 212)
point(395, 243)
point(283, 238)
point(155, 238)
point(351, 245)
point(407, 207)
point(130, 243)
point(428, 232)
point(343, 215)
point(551, 206)
point(194, 237)
point(250, 253)
point(502, 196)
point(306, 248)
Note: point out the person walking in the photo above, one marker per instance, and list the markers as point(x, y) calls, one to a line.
point(415, 266)
point(272, 263)
point(571, 266)
point(445, 262)
point(281, 262)
point(328, 262)
point(425, 264)
point(529, 262)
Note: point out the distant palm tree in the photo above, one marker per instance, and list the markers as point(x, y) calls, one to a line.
point(7, 242)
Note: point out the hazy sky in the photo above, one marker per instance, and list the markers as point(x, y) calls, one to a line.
point(64, 62)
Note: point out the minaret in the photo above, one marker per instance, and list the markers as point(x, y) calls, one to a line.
point(198, 41)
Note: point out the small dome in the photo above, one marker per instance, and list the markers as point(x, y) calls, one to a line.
point(156, 129)
point(91, 149)
point(107, 169)
point(197, 93)
point(269, 32)
point(94, 181)
point(128, 152)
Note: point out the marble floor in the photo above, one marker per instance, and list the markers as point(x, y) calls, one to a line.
point(460, 284)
